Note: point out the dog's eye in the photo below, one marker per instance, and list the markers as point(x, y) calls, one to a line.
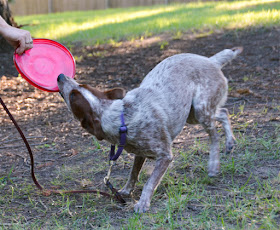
point(71, 97)
point(74, 95)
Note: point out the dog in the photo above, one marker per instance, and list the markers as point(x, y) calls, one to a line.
point(184, 88)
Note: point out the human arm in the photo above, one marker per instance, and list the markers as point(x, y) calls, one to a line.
point(20, 39)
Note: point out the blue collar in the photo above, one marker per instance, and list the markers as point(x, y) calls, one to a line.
point(123, 131)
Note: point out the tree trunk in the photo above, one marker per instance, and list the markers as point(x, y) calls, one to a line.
point(6, 14)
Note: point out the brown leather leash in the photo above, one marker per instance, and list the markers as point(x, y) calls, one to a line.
point(48, 192)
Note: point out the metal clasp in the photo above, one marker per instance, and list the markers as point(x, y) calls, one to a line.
point(110, 186)
point(107, 178)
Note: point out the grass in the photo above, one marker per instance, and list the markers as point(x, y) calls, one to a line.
point(186, 199)
point(246, 195)
point(103, 26)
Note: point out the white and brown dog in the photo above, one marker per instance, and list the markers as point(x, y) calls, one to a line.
point(184, 88)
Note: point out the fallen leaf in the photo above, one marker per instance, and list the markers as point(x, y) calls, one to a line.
point(48, 164)
point(244, 91)
point(46, 192)
point(74, 152)
point(85, 183)
point(274, 119)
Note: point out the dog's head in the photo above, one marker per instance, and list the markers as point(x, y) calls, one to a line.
point(86, 102)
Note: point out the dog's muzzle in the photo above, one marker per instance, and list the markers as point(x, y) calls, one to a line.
point(61, 77)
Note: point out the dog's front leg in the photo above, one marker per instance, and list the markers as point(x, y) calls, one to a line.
point(133, 178)
point(161, 166)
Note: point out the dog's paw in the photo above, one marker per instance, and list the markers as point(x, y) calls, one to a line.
point(230, 146)
point(213, 168)
point(213, 174)
point(125, 192)
point(142, 206)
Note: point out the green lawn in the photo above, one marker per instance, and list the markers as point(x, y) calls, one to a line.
point(117, 24)
point(239, 198)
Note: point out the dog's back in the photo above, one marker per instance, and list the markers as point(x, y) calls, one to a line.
point(180, 68)
point(178, 83)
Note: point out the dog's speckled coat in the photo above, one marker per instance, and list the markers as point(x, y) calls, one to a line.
point(184, 88)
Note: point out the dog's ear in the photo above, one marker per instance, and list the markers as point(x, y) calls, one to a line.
point(95, 92)
point(98, 131)
point(116, 93)
point(79, 105)
point(112, 94)
point(81, 110)
point(93, 126)
point(87, 122)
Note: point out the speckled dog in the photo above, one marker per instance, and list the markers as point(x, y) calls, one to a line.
point(184, 88)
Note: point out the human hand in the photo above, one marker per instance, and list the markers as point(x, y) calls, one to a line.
point(20, 39)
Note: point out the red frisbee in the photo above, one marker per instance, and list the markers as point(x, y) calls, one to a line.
point(42, 64)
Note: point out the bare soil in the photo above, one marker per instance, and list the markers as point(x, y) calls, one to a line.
point(58, 141)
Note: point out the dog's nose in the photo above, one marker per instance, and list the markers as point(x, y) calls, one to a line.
point(60, 77)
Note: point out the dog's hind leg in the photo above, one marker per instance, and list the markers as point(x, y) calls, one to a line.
point(133, 178)
point(214, 155)
point(223, 117)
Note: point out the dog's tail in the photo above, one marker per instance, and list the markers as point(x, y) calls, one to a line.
point(225, 56)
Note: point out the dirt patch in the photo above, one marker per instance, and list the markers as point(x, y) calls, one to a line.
point(59, 142)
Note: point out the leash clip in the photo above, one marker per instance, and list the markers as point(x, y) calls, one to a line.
point(110, 186)
point(107, 178)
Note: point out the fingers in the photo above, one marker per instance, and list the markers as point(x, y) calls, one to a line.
point(24, 44)
point(23, 47)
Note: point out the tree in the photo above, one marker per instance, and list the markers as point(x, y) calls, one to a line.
point(6, 14)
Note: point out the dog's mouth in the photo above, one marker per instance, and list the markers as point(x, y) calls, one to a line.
point(60, 80)
point(61, 94)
